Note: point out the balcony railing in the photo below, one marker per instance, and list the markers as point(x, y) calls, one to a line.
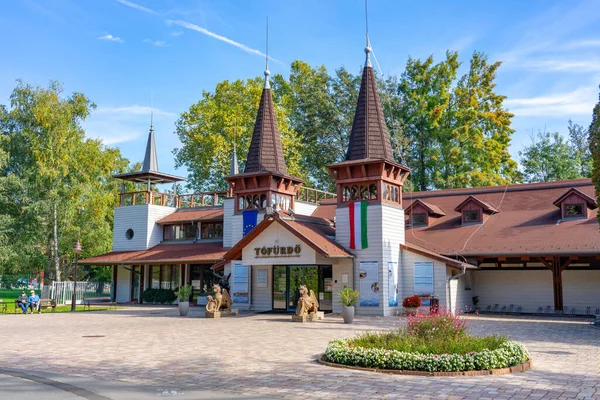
point(313, 195)
point(205, 199)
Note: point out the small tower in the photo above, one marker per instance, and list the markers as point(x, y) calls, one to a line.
point(264, 184)
point(369, 214)
point(134, 227)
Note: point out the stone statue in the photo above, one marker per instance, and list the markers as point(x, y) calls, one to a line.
point(220, 300)
point(307, 303)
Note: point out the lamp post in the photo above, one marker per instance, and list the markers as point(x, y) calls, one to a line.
point(77, 249)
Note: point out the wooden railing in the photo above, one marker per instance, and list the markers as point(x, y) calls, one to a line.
point(205, 199)
point(313, 195)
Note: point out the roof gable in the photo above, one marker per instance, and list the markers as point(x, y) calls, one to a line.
point(488, 208)
point(431, 208)
point(591, 202)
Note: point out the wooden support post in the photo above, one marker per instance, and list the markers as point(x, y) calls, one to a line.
point(114, 276)
point(142, 279)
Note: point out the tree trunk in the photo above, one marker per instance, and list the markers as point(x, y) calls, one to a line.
point(423, 183)
point(55, 239)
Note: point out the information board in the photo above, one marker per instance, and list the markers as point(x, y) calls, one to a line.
point(239, 289)
point(393, 283)
point(369, 283)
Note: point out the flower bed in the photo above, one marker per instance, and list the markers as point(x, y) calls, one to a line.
point(439, 343)
point(341, 351)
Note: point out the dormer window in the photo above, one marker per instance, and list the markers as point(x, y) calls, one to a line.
point(420, 213)
point(471, 216)
point(472, 210)
point(575, 204)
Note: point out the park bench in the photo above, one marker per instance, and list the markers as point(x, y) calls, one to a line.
point(44, 303)
point(98, 301)
point(3, 306)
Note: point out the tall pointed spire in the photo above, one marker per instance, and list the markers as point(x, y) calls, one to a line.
point(369, 138)
point(234, 169)
point(266, 153)
point(150, 158)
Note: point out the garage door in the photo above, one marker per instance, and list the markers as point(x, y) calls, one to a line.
point(529, 290)
point(581, 289)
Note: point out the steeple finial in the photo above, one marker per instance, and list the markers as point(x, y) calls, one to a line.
point(368, 49)
point(234, 169)
point(267, 72)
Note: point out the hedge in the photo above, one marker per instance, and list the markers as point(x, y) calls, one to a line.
point(509, 354)
point(160, 296)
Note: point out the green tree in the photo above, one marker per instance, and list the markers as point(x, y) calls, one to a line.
point(66, 187)
point(425, 91)
point(594, 135)
point(579, 139)
point(209, 129)
point(548, 158)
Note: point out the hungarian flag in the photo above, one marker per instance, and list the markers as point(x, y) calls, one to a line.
point(358, 224)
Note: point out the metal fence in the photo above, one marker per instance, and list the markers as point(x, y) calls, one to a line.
point(62, 292)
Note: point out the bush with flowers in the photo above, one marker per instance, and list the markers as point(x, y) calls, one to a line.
point(412, 301)
point(437, 343)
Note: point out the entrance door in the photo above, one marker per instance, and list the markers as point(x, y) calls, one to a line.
point(288, 279)
point(135, 283)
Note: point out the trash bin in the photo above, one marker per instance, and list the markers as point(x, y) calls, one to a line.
point(434, 305)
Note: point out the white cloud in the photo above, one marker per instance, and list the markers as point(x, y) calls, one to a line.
point(176, 33)
point(206, 32)
point(132, 110)
point(137, 6)
point(111, 38)
point(578, 102)
point(582, 44)
point(157, 43)
point(589, 65)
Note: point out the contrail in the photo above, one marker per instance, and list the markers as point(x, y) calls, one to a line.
point(206, 32)
point(137, 6)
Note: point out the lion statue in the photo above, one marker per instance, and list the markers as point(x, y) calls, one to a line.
point(220, 300)
point(307, 302)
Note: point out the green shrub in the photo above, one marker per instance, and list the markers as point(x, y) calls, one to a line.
point(348, 297)
point(160, 296)
point(184, 293)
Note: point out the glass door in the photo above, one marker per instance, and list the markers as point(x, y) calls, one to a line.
point(325, 287)
point(298, 276)
point(279, 287)
point(135, 283)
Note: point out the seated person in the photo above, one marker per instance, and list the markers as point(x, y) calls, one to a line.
point(34, 302)
point(23, 301)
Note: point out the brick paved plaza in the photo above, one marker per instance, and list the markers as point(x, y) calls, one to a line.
point(267, 356)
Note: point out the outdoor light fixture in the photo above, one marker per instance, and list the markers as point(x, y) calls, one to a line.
point(76, 249)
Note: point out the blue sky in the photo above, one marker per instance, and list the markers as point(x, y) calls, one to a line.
point(122, 53)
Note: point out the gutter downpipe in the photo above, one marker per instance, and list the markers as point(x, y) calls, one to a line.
point(448, 291)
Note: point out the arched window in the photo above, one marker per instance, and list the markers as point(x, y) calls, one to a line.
point(256, 201)
point(373, 191)
point(263, 201)
point(241, 203)
point(364, 192)
point(345, 194)
point(273, 200)
point(354, 194)
point(249, 202)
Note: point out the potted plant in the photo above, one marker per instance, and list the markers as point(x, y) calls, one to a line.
point(411, 304)
point(183, 294)
point(348, 298)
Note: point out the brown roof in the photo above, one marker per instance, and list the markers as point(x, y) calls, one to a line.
point(312, 231)
point(209, 252)
point(486, 207)
point(528, 222)
point(431, 208)
point(590, 200)
point(193, 214)
point(325, 209)
point(265, 152)
point(428, 253)
point(369, 137)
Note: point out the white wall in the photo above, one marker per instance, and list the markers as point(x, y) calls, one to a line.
point(385, 234)
point(123, 284)
point(228, 210)
point(460, 297)
point(260, 298)
point(581, 289)
point(527, 289)
point(406, 280)
point(304, 208)
point(340, 266)
point(274, 235)
point(142, 220)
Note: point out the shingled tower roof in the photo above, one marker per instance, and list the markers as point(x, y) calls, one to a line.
point(369, 137)
point(150, 158)
point(266, 153)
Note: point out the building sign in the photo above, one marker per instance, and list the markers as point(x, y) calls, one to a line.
point(369, 283)
point(278, 251)
point(239, 289)
point(393, 283)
